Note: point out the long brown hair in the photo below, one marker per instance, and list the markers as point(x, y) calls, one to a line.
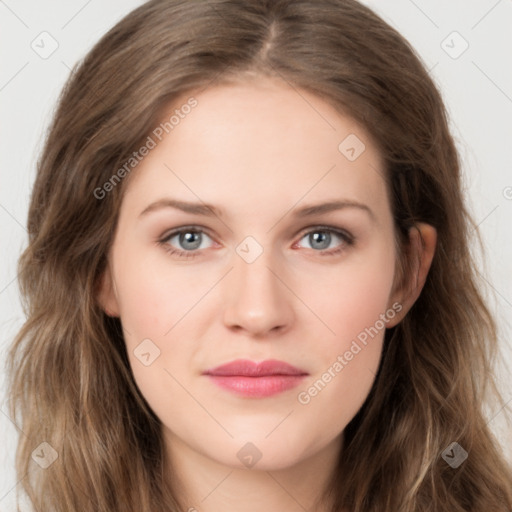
point(71, 383)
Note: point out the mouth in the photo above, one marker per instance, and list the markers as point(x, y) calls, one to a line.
point(258, 380)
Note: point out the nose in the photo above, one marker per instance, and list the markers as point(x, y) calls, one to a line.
point(257, 300)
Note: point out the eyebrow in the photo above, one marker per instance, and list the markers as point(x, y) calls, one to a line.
point(211, 210)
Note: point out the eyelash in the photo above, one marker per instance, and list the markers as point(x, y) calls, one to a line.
point(347, 240)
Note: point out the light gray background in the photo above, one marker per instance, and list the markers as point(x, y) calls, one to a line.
point(477, 87)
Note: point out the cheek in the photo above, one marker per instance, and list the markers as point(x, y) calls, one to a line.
point(154, 300)
point(366, 300)
point(352, 298)
point(355, 305)
point(153, 295)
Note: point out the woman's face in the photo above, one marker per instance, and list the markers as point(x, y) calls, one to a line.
point(294, 262)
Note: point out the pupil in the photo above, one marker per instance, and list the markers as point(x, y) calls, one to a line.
point(322, 237)
point(188, 238)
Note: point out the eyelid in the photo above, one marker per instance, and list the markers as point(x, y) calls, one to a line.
point(320, 227)
point(191, 227)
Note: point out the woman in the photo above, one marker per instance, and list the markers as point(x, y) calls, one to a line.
point(249, 371)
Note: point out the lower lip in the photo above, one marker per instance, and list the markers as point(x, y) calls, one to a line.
point(257, 387)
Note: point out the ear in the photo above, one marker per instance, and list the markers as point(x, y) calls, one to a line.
point(421, 249)
point(107, 293)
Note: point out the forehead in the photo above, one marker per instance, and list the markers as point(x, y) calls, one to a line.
point(263, 141)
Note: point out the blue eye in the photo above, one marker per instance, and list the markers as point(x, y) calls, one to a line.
point(321, 238)
point(190, 239)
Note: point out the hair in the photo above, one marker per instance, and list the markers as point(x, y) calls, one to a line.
point(70, 380)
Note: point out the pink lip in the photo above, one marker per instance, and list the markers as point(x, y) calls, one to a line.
point(247, 378)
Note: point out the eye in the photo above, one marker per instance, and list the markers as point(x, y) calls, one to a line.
point(188, 240)
point(321, 237)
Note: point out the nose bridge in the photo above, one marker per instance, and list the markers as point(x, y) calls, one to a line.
point(256, 300)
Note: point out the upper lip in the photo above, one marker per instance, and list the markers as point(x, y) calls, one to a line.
point(248, 368)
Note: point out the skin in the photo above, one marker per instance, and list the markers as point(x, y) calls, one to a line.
point(259, 151)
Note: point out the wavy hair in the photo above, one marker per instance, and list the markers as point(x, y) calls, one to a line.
point(70, 380)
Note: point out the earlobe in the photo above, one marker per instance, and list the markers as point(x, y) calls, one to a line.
point(422, 246)
point(106, 295)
